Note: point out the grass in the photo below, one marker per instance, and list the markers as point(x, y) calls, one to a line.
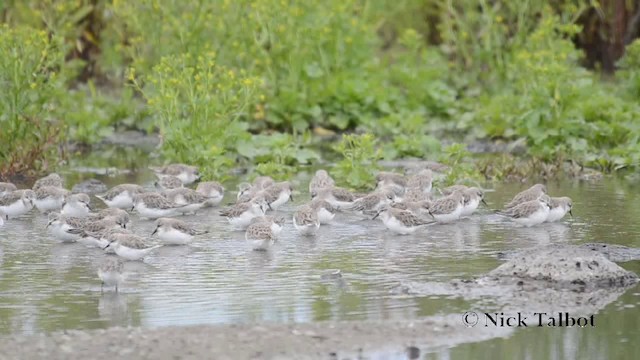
point(263, 82)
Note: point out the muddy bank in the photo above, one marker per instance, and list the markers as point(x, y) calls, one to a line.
point(615, 253)
point(578, 279)
point(325, 340)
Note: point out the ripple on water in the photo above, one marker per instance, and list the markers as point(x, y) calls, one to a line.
point(49, 285)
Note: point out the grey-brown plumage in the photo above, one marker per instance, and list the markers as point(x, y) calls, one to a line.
point(16, 195)
point(305, 215)
point(52, 179)
point(238, 209)
point(532, 193)
point(72, 221)
point(422, 180)
point(155, 201)
point(210, 188)
point(185, 196)
point(323, 204)
point(132, 189)
point(262, 182)
point(246, 192)
point(119, 215)
point(131, 241)
point(169, 182)
point(416, 194)
point(416, 207)
point(374, 201)
point(180, 226)
point(7, 187)
point(338, 193)
point(260, 230)
point(44, 192)
point(447, 204)
point(387, 178)
point(453, 188)
point(321, 180)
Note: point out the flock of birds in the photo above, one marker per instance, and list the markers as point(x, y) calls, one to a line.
point(403, 203)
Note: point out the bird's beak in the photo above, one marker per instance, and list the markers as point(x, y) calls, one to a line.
point(291, 197)
point(48, 224)
point(570, 213)
point(104, 248)
point(89, 207)
point(376, 215)
point(154, 231)
point(484, 202)
point(124, 226)
point(269, 206)
point(430, 214)
point(133, 207)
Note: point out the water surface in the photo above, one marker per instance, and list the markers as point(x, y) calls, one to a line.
point(47, 286)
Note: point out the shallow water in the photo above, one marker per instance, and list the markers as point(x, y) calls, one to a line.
point(47, 286)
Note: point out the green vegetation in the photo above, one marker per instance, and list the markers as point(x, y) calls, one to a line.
point(263, 82)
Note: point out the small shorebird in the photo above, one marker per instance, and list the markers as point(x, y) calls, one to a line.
point(306, 221)
point(191, 200)
point(213, 190)
point(175, 232)
point(260, 235)
point(246, 192)
point(111, 273)
point(560, 206)
point(453, 188)
point(447, 209)
point(373, 202)
point(49, 198)
point(321, 180)
point(153, 205)
point(400, 221)
point(240, 215)
point(168, 182)
point(396, 182)
point(130, 246)
point(52, 179)
point(120, 216)
point(529, 213)
point(418, 208)
point(262, 182)
point(339, 198)
point(76, 205)
point(186, 173)
point(472, 198)
point(326, 212)
point(276, 222)
point(59, 226)
point(6, 188)
point(98, 238)
point(422, 181)
point(532, 193)
point(16, 203)
point(278, 194)
point(414, 194)
point(121, 196)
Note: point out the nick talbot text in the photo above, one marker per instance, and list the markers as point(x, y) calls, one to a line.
point(540, 319)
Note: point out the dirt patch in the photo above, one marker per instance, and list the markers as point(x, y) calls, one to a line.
point(615, 253)
point(324, 340)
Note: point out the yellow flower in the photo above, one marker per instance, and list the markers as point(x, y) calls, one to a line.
point(33, 85)
point(499, 19)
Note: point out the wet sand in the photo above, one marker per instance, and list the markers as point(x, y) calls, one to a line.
point(324, 340)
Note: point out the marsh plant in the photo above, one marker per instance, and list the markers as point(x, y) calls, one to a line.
point(235, 83)
point(359, 160)
point(32, 85)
